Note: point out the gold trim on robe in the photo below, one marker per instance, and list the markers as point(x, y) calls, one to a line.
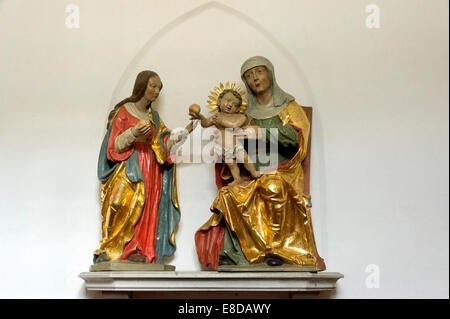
point(161, 158)
point(156, 146)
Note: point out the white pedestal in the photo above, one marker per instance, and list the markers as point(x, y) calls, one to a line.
point(129, 281)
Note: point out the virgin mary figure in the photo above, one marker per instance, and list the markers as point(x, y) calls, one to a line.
point(140, 210)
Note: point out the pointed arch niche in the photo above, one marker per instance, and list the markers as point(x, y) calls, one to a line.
point(192, 54)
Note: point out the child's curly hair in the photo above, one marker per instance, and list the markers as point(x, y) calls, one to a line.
point(236, 94)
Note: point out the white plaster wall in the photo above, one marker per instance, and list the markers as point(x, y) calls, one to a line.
point(380, 129)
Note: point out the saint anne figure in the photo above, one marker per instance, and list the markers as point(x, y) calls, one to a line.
point(268, 219)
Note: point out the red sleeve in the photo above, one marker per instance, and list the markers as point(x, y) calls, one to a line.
point(120, 125)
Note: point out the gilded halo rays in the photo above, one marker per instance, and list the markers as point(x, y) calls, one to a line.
point(212, 102)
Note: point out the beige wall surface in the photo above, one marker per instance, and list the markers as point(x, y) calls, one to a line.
point(376, 73)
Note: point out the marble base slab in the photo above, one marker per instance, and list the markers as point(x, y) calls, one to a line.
point(209, 281)
point(263, 267)
point(129, 266)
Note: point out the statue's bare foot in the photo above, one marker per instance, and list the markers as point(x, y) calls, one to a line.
point(137, 258)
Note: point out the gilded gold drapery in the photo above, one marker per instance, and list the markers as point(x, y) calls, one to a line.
point(161, 158)
point(271, 215)
point(122, 202)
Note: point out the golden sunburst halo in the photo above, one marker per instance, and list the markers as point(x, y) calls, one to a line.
point(215, 93)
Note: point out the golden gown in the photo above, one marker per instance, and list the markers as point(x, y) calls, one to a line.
point(270, 215)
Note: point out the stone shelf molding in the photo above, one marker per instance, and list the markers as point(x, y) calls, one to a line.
point(129, 281)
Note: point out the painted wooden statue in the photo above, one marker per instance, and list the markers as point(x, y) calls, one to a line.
point(267, 219)
point(140, 209)
point(228, 105)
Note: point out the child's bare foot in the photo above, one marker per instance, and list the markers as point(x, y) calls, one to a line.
point(256, 174)
point(235, 182)
point(251, 169)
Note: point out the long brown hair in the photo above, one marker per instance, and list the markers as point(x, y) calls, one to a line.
point(140, 85)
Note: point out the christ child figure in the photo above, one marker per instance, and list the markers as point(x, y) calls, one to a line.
point(226, 120)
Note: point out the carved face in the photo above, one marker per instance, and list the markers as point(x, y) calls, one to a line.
point(258, 79)
point(154, 86)
point(229, 103)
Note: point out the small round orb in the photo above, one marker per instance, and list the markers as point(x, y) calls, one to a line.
point(194, 108)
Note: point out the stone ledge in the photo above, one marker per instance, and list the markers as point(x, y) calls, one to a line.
point(263, 267)
point(130, 266)
point(209, 281)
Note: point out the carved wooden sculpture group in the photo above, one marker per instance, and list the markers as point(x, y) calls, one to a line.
point(261, 214)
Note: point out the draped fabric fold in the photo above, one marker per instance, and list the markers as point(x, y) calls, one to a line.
point(270, 215)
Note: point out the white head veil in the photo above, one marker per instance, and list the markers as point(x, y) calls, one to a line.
point(279, 98)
